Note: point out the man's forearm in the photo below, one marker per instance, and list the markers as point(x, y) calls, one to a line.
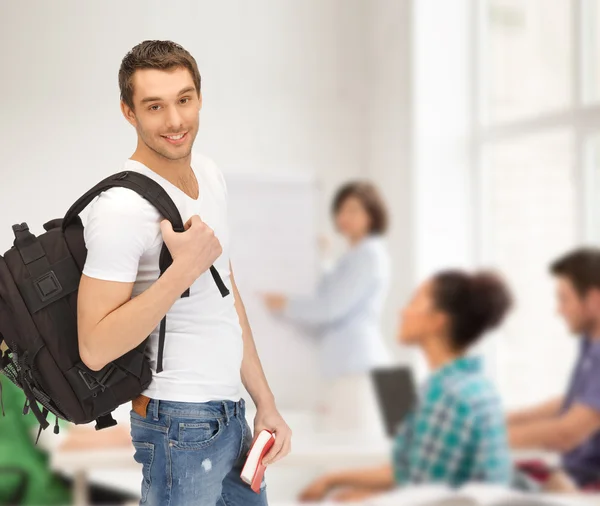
point(377, 478)
point(253, 375)
point(547, 410)
point(126, 327)
point(546, 435)
point(562, 433)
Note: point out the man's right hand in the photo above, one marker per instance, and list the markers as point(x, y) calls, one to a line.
point(195, 249)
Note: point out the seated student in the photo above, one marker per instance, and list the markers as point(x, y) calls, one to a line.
point(457, 432)
point(570, 424)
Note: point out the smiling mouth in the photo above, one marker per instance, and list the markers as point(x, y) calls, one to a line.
point(175, 139)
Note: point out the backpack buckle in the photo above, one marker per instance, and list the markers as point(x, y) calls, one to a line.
point(92, 382)
point(89, 380)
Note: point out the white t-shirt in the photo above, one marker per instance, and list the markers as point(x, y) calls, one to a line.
point(203, 343)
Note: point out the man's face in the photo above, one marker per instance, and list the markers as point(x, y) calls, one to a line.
point(166, 111)
point(576, 310)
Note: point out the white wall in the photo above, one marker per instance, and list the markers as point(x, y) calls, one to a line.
point(441, 186)
point(303, 87)
point(442, 99)
point(281, 82)
point(389, 151)
point(418, 108)
point(315, 87)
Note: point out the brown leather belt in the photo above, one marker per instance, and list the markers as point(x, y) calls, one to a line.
point(140, 405)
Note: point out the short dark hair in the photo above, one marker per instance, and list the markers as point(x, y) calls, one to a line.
point(581, 267)
point(154, 54)
point(474, 303)
point(371, 200)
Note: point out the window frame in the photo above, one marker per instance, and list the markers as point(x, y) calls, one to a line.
point(581, 118)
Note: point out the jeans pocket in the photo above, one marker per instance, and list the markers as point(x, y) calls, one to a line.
point(144, 454)
point(246, 438)
point(198, 434)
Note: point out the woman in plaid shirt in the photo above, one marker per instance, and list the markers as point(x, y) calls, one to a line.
point(457, 432)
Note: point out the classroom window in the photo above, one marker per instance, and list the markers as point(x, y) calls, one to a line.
point(537, 163)
point(592, 188)
point(590, 40)
point(528, 58)
point(531, 215)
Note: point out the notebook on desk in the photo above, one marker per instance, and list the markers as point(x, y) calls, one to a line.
point(396, 395)
point(474, 494)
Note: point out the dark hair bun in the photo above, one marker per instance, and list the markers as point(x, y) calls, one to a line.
point(475, 303)
point(491, 299)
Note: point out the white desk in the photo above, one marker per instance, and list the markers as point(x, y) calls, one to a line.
point(551, 500)
point(558, 500)
point(310, 450)
point(80, 463)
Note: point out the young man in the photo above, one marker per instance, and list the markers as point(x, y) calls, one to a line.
point(188, 428)
point(570, 424)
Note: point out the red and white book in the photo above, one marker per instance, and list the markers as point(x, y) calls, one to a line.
point(254, 469)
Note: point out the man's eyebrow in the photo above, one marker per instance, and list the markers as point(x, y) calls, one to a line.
point(157, 99)
point(187, 90)
point(151, 99)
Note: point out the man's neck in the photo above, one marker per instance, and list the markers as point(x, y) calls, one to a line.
point(594, 332)
point(172, 170)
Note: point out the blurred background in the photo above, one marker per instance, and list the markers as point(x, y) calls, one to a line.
point(479, 121)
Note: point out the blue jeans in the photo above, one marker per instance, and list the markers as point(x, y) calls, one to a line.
point(193, 453)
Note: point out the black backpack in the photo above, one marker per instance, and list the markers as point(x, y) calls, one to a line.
point(39, 281)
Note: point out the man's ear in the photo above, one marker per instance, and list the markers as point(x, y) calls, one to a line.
point(128, 113)
point(200, 100)
point(593, 299)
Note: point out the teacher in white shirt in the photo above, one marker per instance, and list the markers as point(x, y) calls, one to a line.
point(345, 312)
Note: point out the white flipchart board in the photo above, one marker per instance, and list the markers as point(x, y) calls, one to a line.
point(274, 249)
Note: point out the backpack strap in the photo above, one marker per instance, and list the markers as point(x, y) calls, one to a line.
point(155, 194)
point(41, 417)
point(31, 401)
point(4, 361)
point(31, 251)
point(1, 402)
point(45, 415)
point(145, 187)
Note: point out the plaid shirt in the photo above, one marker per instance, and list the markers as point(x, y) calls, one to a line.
point(457, 433)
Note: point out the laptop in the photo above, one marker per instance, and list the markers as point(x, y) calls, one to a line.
point(396, 395)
